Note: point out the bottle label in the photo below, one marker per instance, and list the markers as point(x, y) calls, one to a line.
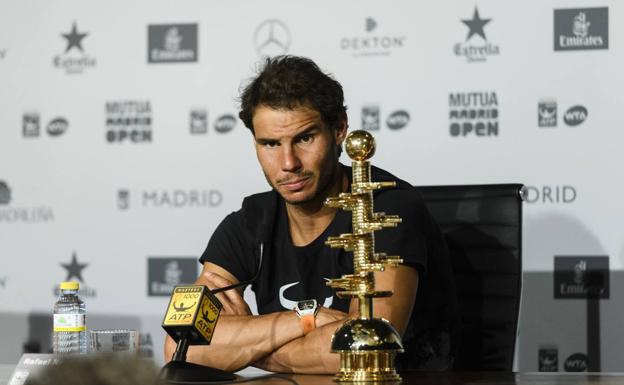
point(70, 322)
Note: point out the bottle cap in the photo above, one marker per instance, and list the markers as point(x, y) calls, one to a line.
point(70, 285)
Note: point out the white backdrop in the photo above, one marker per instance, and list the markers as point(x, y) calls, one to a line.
point(135, 213)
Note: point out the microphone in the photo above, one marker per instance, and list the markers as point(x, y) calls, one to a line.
point(191, 318)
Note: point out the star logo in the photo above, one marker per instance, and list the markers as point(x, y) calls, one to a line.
point(74, 38)
point(74, 269)
point(476, 25)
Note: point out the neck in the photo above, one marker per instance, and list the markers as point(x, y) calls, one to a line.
point(307, 221)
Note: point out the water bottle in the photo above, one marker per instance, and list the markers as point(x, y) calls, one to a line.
point(70, 315)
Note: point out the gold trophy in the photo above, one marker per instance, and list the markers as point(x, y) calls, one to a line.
point(367, 345)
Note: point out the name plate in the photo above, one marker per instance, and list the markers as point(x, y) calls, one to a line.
point(30, 364)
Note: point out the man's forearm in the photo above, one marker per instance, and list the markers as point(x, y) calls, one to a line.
point(238, 341)
point(308, 354)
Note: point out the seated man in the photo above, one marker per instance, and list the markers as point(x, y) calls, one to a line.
point(297, 116)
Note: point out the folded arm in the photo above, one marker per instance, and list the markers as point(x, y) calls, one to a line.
point(311, 353)
point(239, 338)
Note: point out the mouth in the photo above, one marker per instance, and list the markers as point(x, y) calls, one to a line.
point(294, 185)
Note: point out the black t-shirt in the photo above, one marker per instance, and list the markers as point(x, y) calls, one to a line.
point(289, 274)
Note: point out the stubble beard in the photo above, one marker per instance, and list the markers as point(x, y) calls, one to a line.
point(322, 188)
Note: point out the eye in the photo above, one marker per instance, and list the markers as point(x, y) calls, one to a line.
point(270, 144)
point(307, 138)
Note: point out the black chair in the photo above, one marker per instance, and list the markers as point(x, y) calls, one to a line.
point(482, 225)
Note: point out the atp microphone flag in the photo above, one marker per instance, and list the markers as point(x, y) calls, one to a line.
point(192, 313)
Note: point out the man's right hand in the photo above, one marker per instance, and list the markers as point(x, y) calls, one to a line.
point(232, 300)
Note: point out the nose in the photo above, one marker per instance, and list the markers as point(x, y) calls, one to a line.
point(290, 159)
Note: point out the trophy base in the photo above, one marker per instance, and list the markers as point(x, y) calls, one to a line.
point(367, 366)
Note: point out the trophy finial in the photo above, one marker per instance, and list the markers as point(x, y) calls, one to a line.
point(360, 145)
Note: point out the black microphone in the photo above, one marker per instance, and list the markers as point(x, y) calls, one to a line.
point(191, 318)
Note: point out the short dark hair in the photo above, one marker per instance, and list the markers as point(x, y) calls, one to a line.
point(289, 82)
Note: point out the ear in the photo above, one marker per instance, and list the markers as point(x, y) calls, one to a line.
point(341, 131)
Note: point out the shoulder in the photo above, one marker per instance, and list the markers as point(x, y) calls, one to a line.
point(257, 213)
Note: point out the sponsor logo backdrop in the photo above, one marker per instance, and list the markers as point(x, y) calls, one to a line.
point(121, 149)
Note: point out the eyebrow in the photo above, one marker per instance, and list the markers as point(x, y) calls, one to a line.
point(307, 131)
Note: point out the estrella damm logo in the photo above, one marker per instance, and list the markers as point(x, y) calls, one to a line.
point(183, 305)
point(207, 318)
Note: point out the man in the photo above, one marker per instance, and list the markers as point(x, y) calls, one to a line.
point(297, 116)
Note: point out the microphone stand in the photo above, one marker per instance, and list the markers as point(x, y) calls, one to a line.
point(179, 370)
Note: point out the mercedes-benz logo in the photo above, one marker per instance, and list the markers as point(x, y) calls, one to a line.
point(272, 38)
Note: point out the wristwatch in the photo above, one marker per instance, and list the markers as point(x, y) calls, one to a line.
point(306, 310)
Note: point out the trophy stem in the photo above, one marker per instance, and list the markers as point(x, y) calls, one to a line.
point(366, 307)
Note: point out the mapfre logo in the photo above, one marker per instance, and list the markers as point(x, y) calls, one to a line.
point(21, 214)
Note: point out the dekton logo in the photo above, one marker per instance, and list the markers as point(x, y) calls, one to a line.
point(480, 51)
point(581, 29)
point(372, 43)
point(473, 114)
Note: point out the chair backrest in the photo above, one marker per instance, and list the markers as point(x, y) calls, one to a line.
point(482, 225)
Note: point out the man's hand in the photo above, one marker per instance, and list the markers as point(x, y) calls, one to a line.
point(232, 300)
